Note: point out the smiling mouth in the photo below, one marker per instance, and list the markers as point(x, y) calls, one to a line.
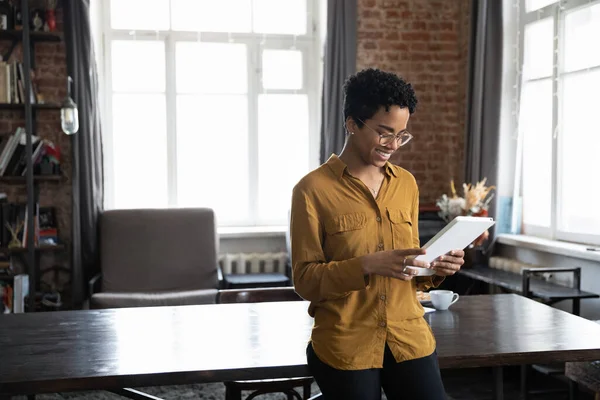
point(383, 154)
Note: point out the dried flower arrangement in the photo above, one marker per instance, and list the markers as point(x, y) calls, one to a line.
point(475, 202)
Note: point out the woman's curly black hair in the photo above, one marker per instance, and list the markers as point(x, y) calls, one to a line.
point(370, 89)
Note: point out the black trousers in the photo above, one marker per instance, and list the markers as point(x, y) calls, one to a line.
point(418, 379)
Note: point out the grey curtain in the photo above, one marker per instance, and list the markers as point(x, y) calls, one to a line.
point(87, 173)
point(339, 63)
point(484, 94)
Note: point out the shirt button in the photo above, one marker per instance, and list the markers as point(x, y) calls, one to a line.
point(380, 245)
point(382, 324)
point(378, 219)
point(382, 297)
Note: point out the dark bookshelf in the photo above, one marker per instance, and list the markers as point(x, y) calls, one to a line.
point(38, 178)
point(21, 106)
point(33, 36)
point(28, 39)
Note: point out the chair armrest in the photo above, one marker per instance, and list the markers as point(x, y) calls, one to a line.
point(528, 271)
point(220, 279)
point(95, 284)
point(288, 271)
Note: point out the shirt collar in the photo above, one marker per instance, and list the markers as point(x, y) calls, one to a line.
point(338, 167)
point(390, 170)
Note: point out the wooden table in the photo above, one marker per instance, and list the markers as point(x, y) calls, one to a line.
point(123, 348)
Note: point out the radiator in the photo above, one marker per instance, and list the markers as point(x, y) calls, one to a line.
point(253, 263)
point(514, 266)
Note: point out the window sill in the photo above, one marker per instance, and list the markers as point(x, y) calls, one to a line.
point(245, 232)
point(567, 249)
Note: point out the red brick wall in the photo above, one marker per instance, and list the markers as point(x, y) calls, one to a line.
point(51, 81)
point(426, 42)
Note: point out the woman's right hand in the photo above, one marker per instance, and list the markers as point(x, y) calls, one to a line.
point(394, 263)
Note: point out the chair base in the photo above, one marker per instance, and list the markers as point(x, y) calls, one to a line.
point(233, 389)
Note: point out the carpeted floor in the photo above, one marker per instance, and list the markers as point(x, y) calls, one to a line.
point(466, 384)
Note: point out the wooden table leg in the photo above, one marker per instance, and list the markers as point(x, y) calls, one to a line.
point(576, 307)
point(498, 383)
point(597, 397)
point(524, 376)
point(573, 390)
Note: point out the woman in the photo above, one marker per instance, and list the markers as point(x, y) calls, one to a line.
point(354, 237)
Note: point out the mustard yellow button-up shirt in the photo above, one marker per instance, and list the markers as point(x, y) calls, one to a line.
point(334, 220)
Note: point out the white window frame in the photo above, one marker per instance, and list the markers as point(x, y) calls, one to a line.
point(311, 46)
point(557, 12)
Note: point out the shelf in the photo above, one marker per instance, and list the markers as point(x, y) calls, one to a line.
point(34, 36)
point(41, 249)
point(19, 106)
point(38, 178)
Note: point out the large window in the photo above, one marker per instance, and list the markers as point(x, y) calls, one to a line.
point(558, 114)
point(210, 104)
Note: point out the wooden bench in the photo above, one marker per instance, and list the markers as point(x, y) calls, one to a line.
point(528, 285)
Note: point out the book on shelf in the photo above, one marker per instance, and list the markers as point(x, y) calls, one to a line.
point(14, 294)
point(12, 86)
point(20, 292)
point(13, 157)
point(6, 297)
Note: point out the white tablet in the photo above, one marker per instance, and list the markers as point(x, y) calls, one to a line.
point(458, 234)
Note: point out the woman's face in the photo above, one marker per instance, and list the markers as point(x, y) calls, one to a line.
point(366, 139)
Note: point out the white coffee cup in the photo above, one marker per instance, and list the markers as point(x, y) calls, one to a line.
point(442, 299)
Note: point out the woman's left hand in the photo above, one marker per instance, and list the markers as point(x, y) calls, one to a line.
point(449, 264)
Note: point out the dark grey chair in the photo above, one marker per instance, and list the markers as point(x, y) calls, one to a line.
point(156, 257)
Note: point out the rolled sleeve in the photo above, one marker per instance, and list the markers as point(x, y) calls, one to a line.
point(428, 282)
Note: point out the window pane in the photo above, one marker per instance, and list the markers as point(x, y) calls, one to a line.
point(536, 126)
point(281, 118)
point(211, 15)
point(139, 150)
point(138, 66)
point(282, 69)
point(538, 51)
point(579, 161)
point(582, 30)
point(211, 68)
point(139, 14)
point(531, 5)
point(277, 16)
point(212, 155)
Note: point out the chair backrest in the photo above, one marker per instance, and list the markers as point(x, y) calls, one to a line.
point(258, 295)
point(158, 250)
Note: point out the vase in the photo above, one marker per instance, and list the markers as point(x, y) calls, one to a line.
point(51, 20)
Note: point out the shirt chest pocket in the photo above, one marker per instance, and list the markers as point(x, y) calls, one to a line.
point(346, 236)
point(402, 229)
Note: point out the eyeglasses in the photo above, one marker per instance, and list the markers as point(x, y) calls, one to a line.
point(384, 139)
